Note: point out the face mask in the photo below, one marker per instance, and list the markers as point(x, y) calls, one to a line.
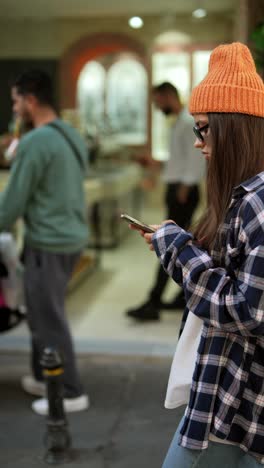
point(167, 110)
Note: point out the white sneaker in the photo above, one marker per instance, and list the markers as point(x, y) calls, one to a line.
point(70, 405)
point(33, 386)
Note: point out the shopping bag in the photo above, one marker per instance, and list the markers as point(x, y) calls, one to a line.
point(11, 285)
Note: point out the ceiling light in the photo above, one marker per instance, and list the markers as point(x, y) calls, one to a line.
point(135, 22)
point(199, 13)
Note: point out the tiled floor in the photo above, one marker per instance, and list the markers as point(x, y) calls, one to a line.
point(96, 308)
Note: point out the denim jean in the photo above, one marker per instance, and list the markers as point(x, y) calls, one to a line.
point(217, 455)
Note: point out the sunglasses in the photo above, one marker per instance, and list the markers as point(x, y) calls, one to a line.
point(198, 131)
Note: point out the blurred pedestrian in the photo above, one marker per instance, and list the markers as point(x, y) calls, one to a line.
point(45, 188)
point(182, 175)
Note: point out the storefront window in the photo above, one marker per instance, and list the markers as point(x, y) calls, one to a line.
point(126, 101)
point(112, 98)
point(175, 68)
point(90, 96)
point(200, 65)
point(184, 69)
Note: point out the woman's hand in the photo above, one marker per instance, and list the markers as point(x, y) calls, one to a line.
point(148, 236)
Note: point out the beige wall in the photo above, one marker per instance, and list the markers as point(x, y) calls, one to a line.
point(50, 39)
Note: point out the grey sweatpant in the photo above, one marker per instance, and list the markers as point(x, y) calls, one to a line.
point(46, 278)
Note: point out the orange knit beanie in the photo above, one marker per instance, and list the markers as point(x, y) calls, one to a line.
point(231, 84)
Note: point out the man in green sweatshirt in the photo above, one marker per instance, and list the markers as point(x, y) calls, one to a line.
point(45, 188)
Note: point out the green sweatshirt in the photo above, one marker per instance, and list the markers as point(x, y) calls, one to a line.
point(46, 189)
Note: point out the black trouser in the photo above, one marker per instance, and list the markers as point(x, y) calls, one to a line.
point(182, 215)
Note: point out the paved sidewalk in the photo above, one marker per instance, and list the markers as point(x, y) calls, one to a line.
point(126, 426)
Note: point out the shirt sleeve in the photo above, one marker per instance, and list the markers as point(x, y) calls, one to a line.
point(25, 174)
point(234, 304)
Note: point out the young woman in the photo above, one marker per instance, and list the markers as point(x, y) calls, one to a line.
point(221, 269)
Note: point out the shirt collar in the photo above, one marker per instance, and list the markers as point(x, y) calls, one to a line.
point(250, 185)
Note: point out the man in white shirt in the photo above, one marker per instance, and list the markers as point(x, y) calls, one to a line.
point(182, 174)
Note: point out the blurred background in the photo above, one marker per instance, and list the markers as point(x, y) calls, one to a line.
point(104, 57)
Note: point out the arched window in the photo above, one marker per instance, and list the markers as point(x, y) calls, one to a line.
point(90, 96)
point(112, 98)
point(126, 100)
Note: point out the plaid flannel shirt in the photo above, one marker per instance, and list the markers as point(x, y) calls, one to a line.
point(226, 289)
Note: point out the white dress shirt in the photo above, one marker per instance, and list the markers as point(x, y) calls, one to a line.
point(185, 164)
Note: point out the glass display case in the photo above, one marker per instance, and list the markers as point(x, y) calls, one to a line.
point(112, 98)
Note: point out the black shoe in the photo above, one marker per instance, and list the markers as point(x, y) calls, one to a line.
point(146, 312)
point(178, 303)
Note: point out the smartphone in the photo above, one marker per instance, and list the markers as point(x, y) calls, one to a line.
point(138, 224)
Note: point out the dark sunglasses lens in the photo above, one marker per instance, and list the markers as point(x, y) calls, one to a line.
point(198, 134)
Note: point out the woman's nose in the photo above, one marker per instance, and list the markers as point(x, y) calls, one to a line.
point(198, 143)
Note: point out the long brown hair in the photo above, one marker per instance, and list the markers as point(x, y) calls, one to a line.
point(237, 155)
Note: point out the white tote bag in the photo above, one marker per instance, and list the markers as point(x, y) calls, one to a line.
point(12, 286)
point(182, 368)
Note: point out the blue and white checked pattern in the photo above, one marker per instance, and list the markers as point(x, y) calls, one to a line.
point(226, 289)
